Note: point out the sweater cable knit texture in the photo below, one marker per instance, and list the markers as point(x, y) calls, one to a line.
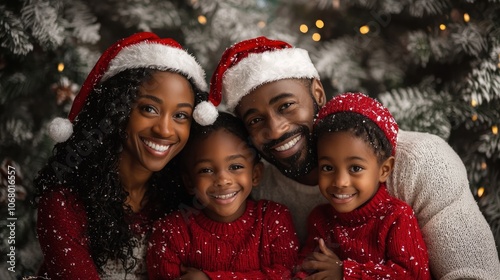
point(261, 244)
point(377, 241)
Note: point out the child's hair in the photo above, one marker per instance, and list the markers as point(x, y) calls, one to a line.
point(364, 117)
point(360, 126)
point(224, 121)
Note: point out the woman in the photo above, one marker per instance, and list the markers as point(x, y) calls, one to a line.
point(108, 182)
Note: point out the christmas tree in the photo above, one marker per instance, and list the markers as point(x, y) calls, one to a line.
point(434, 63)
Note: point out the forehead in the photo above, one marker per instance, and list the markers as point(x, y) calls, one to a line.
point(220, 142)
point(267, 94)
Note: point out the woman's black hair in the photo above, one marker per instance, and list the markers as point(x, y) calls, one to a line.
point(361, 127)
point(87, 165)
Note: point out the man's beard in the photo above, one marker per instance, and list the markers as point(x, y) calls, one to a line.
point(299, 164)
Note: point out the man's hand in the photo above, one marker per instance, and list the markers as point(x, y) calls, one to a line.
point(190, 273)
point(326, 263)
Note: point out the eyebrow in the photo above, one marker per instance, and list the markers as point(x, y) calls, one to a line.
point(152, 97)
point(272, 101)
point(231, 157)
point(349, 158)
point(159, 101)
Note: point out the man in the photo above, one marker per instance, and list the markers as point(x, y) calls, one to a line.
point(275, 89)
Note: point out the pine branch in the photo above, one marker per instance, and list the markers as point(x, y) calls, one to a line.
point(420, 8)
point(12, 35)
point(42, 20)
point(419, 109)
point(81, 21)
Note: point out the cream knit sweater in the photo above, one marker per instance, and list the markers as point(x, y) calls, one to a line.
point(431, 177)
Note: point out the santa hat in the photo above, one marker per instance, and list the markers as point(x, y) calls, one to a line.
point(251, 63)
point(141, 50)
point(366, 106)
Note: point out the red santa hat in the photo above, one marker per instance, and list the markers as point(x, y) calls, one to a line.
point(366, 106)
point(251, 63)
point(141, 50)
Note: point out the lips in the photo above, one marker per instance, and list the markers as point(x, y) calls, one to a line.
point(224, 196)
point(342, 196)
point(288, 145)
point(155, 146)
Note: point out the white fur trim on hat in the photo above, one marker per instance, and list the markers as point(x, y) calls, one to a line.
point(157, 56)
point(205, 113)
point(260, 68)
point(60, 129)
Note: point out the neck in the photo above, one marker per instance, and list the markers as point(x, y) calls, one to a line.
point(310, 179)
point(134, 182)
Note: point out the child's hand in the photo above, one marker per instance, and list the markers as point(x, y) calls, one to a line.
point(190, 273)
point(326, 263)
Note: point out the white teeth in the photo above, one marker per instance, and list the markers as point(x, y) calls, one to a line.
point(156, 147)
point(225, 196)
point(288, 145)
point(343, 196)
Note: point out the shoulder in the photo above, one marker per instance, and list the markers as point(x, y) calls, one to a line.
point(424, 147)
point(172, 222)
point(61, 198)
point(269, 206)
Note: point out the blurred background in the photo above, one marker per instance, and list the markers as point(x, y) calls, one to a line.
point(434, 63)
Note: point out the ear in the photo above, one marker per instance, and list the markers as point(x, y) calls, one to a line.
point(258, 170)
point(186, 179)
point(386, 168)
point(318, 92)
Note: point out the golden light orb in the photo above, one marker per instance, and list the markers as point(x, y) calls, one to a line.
point(316, 37)
point(303, 28)
point(202, 19)
point(320, 24)
point(466, 17)
point(480, 191)
point(364, 29)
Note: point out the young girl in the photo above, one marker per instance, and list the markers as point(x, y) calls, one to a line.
point(103, 187)
point(363, 232)
point(224, 235)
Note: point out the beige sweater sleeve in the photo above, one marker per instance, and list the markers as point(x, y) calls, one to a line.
point(431, 177)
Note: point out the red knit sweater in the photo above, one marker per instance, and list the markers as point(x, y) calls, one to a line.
point(62, 226)
point(380, 240)
point(261, 244)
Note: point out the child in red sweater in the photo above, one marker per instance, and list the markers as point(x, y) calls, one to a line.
point(363, 232)
point(224, 235)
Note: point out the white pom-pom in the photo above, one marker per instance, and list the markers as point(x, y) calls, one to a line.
point(205, 113)
point(60, 129)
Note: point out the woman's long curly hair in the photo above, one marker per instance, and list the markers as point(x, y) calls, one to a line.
point(87, 165)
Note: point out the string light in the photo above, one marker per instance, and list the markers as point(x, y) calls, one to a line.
point(316, 37)
point(480, 191)
point(442, 27)
point(261, 24)
point(494, 129)
point(473, 102)
point(320, 23)
point(474, 117)
point(364, 29)
point(303, 28)
point(60, 67)
point(484, 165)
point(202, 19)
point(466, 17)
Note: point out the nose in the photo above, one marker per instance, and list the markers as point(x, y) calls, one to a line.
point(163, 127)
point(276, 127)
point(223, 179)
point(340, 179)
